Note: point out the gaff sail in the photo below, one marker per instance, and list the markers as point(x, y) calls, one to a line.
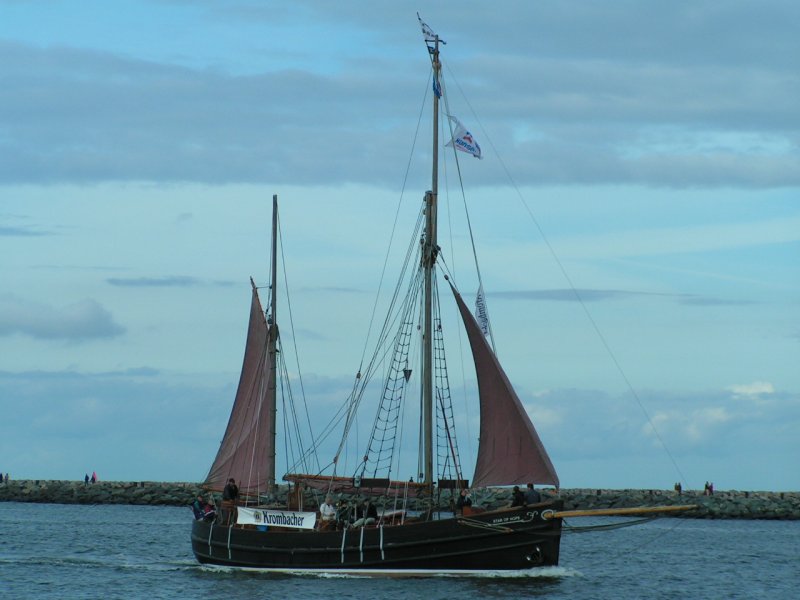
point(247, 451)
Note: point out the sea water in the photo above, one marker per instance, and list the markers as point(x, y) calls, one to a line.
point(74, 551)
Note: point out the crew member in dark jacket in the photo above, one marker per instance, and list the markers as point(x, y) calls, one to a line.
point(198, 507)
point(463, 500)
point(517, 498)
point(229, 495)
point(231, 491)
point(532, 496)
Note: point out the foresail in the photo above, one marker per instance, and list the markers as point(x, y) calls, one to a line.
point(510, 451)
point(246, 450)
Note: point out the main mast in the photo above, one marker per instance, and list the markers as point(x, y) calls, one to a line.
point(272, 342)
point(429, 251)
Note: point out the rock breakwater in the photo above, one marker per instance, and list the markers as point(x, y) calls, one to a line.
point(730, 504)
point(105, 492)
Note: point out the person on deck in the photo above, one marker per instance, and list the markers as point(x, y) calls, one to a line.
point(532, 496)
point(517, 498)
point(343, 514)
point(231, 491)
point(327, 512)
point(198, 507)
point(230, 494)
point(463, 500)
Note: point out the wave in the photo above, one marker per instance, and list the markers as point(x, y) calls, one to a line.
point(537, 573)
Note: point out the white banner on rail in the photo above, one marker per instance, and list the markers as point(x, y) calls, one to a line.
point(276, 518)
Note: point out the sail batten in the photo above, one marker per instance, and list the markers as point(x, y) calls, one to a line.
point(510, 451)
point(246, 451)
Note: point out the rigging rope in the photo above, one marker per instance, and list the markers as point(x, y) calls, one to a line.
point(294, 341)
point(377, 359)
point(622, 550)
point(574, 290)
point(394, 225)
point(605, 527)
point(466, 210)
point(347, 411)
point(447, 444)
point(383, 437)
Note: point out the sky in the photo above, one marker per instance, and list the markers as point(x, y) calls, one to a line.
point(644, 154)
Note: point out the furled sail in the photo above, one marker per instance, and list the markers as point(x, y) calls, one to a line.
point(246, 452)
point(510, 451)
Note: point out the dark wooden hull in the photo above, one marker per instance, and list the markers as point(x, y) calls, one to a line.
point(506, 539)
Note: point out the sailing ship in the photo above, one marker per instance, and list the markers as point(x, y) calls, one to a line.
point(418, 529)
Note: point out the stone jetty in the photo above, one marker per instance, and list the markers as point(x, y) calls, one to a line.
point(724, 504)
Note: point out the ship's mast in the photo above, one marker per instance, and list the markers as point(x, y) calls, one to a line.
point(429, 251)
point(272, 342)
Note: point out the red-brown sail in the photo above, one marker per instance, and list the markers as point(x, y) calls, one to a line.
point(246, 450)
point(510, 451)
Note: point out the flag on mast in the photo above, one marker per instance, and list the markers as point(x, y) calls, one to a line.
point(481, 315)
point(463, 139)
point(427, 32)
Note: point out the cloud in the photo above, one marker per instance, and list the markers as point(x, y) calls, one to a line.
point(562, 295)
point(311, 335)
point(111, 422)
point(660, 241)
point(166, 123)
point(595, 423)
point(660, 104)
point(81, 321)
point(757, 388)
point(173, 281)
point(695, 427)
point(598, 295)
point(123, 422)
point(543, 415)
point(6, 231)
point(333, 289)
point(706, 301)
